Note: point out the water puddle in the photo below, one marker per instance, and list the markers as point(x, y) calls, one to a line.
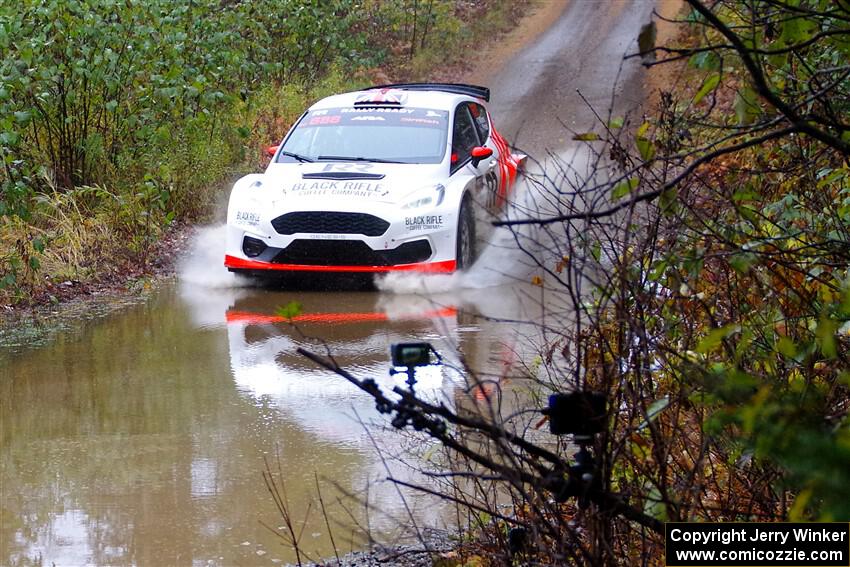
point(141, 436)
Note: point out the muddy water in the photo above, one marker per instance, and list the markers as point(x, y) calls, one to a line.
point(141, 438)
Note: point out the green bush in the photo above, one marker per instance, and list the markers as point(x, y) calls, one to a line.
point(146, 98)
point(98, 91)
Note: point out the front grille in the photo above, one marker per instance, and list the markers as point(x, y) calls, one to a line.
point(330, 223)
point(351, 253)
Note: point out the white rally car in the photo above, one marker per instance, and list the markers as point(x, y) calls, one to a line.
point(388, 178)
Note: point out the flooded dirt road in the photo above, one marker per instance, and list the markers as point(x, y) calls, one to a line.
point(141, 437)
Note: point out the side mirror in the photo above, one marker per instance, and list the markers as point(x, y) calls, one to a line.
point(271, 150)
point(479, 153)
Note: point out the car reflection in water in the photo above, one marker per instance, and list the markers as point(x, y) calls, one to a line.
point(313, 417)
point(265, 363)
point(269, 373)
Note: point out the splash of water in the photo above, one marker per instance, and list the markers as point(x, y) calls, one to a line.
point(505, 257)
point(204, 264)
point(206, 287)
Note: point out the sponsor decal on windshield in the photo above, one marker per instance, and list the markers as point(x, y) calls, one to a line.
point(379, 116)
point(317, 120)
point(429, 121)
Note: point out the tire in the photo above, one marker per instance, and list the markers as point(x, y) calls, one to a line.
point(465, 241)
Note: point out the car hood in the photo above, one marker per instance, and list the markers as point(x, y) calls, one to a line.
point(351, 181)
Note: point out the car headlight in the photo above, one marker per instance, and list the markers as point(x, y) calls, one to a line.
point(430, 196)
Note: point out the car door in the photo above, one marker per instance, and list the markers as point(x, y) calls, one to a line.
point(471, 129)
point(493, 181)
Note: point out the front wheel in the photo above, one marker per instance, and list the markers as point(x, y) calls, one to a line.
point(465, 247)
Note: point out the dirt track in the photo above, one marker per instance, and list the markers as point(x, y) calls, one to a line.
point(538, 88)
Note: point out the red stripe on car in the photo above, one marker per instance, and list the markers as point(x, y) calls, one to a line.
point(508, 165)
point(445, 267)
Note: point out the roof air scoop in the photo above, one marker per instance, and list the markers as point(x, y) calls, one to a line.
point(388, 96)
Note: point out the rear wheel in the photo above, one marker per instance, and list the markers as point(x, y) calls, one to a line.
point(465, 247)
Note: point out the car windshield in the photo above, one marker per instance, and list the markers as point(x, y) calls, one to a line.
point(383, 134)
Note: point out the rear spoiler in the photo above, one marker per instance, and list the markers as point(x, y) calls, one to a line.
point(455, 88)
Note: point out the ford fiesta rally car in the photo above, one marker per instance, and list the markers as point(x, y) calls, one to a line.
point(385, 179)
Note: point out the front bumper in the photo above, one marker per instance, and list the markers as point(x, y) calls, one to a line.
point(422, 243)
point(235, 264)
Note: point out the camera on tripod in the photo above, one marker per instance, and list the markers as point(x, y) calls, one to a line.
point(411, 355)
point(581, 414)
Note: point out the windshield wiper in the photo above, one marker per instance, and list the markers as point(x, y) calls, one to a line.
point(299, 157)
point(356, 158)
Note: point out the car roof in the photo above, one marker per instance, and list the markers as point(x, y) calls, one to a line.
point(391, 96)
